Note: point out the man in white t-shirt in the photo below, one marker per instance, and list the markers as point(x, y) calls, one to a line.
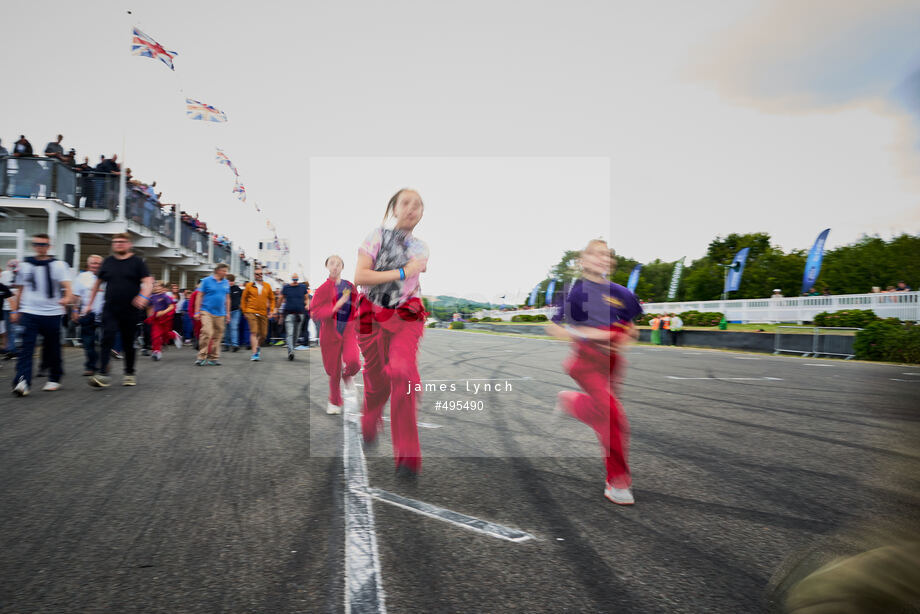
point(89, 322)
point(41, 290)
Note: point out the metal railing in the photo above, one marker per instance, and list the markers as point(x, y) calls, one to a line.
point(142, 208)
point(221, 254)
point(821, 342)
point(39, 177)
point(193, 239)
point(902, 305)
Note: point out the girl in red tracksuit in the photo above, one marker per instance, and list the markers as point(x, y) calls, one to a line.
point(599, 316)
point(391, 320)
point(333, 307)
point(161, 310)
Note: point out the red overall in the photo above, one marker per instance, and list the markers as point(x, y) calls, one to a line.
point(161, 330)
point(337, 348)
point(598, 374)
point(389, 341)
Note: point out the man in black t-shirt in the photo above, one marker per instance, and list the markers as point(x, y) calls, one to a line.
point(232, 332)
point(54, 148)
point(295, 306)
point(128, 284)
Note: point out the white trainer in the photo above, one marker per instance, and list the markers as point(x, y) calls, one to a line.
point(348, 384)
point(620, 496)
point(21, 388)
point(333, 410)
point(51, 386)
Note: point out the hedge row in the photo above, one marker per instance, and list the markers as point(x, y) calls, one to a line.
point(456, 325)
point(524, 317)
point(689, 318)
point(889, 339)
point(855, 318)
point(485, 319)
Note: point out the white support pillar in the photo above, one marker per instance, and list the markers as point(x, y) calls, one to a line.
point(77, 254)
point(177, 231)
point(122, 191)
point(20, 244)
point(210, 240)
point(165, 273)
point(52, 228)
point(183, 279)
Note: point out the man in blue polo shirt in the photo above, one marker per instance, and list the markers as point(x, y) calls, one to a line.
point(212, 308)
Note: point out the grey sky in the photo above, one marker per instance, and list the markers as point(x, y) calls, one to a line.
point(697, 106)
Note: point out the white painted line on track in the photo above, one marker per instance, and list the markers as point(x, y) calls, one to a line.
point(910, 374)
point(363, 581)
point(691, 353)
point(914, 381)
point(745, 358)
point(772, 379)
point(816, 364)
point(455, 518)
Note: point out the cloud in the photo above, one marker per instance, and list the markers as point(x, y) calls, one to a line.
point(807, 56)
point(825, 56)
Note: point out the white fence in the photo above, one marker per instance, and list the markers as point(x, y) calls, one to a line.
point(903, 305)
point(506, 315)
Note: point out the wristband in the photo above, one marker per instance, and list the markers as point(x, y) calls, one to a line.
point(402, 273)
point(146, 298)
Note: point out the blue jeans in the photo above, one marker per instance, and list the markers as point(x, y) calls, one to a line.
point(89, 340)
point(12, 332)
point(292, 322)
point(49, 327)
point(188, 326)
point(232, 333)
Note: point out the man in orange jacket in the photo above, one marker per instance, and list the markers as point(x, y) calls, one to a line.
point(257, 303)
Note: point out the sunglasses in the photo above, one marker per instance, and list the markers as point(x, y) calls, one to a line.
point(38, 244)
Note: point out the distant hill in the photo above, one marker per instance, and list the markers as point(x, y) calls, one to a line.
point(450, 301)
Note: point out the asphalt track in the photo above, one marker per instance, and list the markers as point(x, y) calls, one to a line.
point(222, 489)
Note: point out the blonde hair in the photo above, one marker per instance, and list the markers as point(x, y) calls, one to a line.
point(594, 242)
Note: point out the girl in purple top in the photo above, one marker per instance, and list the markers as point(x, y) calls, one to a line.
point(598, 314)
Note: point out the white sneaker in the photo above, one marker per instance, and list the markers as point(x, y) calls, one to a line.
point(348, 384)
point(620, 496)
point(51, 386)
point(177, 341)
point(333, 410)
point(21, 388)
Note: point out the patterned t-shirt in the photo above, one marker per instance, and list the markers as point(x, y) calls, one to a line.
point(392, 248)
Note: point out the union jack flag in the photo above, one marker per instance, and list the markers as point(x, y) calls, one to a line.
point(223, 159)
point(196, 109)
point(240, 190)
point(141, 44)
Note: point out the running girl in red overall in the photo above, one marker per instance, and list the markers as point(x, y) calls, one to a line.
point(391, 320)
point(334, 308)
point(161, 310)
point(599, 316)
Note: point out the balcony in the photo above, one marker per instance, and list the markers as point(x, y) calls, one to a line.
point(81, 193)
